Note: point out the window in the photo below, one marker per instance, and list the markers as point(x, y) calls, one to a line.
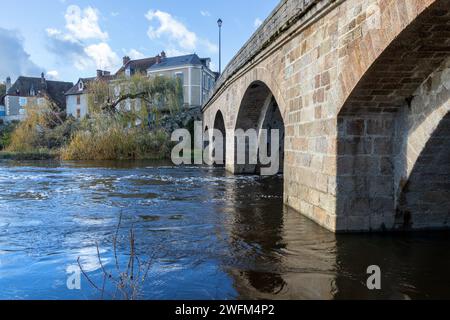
point(78, 100)
point(78, 113)
point(80, 86)
point(23, 101)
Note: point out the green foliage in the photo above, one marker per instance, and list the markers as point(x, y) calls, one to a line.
point(137, 97)
point(5, 134)
point(2, 89)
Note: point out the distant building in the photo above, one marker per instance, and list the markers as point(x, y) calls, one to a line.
point(132, 67)
point(77, 97)
point(28, 91)
point(195, 74)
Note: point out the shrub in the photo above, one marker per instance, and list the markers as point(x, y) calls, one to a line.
point(5, 134)
point(41, 129)
point(107, 138)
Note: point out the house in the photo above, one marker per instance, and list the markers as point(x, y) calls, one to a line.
point(132, 67)
point(77, 97)
point(195, 74)
point(29, 91)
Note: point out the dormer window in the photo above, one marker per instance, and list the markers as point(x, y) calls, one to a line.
point(80, 86)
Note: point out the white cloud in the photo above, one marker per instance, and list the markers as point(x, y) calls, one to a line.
point(83, 24)
point(135, 54)
point(175, 52)
point(258, 22)
point(172, 28)
point(114, 14)
point(175, 33)
point(14, 60)
point(53, 32)
point(205, 13)
point(103, 56)
point(83, 42)
point(52, 75)
point(213, 66)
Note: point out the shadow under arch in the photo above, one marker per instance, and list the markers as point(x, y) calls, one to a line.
point(219, 124)
point(259, 110)
point(370, 142)
point(424, 201)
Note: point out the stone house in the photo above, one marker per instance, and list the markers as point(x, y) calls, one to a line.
point(195, 74)
point(77, 97)
point(29, 91)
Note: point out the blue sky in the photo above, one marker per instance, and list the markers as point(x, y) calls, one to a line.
point(71, 39)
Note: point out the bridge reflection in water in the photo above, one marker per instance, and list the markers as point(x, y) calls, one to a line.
point(280, 254)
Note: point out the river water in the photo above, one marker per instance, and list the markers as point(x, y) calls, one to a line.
point(206, 234)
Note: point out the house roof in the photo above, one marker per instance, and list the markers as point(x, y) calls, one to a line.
point(75, 90)
point(139, 65)
point(25, 86)
point(191, 59)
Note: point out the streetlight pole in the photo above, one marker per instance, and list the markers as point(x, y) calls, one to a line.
point(219, 23)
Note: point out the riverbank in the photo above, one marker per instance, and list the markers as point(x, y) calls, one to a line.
point(37, 155)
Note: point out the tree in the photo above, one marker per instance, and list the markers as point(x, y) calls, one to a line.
point(137, 97)
point(2, 89)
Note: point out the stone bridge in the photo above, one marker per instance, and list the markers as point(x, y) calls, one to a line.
point(360, 89)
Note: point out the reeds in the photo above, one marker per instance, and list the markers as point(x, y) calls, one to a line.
point(128, 279)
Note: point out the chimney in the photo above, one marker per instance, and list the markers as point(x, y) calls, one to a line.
point(8, 84)
point(43, 82)
point(158, 59)
point(163, 55)
point(126, 59)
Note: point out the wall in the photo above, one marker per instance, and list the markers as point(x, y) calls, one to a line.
point(72, 105)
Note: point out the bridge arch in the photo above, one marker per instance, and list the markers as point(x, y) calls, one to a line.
point(219, 124)
point(259, 110)
point(395, 115)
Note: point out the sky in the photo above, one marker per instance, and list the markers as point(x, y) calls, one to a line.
point(71, 39)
